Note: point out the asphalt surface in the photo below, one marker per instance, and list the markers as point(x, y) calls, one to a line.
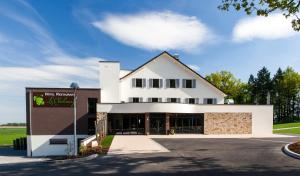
point(222, 157)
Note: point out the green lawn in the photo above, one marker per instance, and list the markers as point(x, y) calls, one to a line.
point(7, 135)
point(107, 141)
point(287, 131)
point(286, 125)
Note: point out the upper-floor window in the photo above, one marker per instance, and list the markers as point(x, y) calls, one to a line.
point(154, 99)
point(173, 100)
point(92, 105)
point(209, 101)
point(135, 99)
point(138, 82)
point(155, 83)
point(192, 100)
point(172, 83)
point(188, 83)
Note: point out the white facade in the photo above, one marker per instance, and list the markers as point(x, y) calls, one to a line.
point(109, 81)
point(262, 115)
point(162, 67)
point(39, 145)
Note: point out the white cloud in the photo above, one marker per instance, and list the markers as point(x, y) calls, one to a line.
point(274, 26)
point(194, 67)
point(156, 30)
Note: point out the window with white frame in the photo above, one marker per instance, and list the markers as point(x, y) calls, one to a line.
point(209, 101)
point(155, 83)
point(172, 83)
point(173, 100)
point(154, 99)
point(188, 83)
point(192, 100)
point(139, 82)
point(135, 99)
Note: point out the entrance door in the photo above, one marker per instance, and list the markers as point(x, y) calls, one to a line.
point(157, 124)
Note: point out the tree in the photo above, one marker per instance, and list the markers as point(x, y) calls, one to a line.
point(262, 85)
point(232, 86)
point(289, 8)
point(277, 95)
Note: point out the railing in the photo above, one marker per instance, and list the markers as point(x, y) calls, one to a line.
point(87, 140)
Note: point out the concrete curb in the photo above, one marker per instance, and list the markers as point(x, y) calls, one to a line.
point(87, 158)
point(287, 151)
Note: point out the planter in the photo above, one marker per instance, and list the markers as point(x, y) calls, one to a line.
point(289, 152)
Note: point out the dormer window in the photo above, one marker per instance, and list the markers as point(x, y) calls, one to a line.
point(154, 99)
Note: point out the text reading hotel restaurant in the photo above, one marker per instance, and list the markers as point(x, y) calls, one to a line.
point(161, 95)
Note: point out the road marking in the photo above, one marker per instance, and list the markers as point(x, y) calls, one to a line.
point(266, 140)
point(284, 128)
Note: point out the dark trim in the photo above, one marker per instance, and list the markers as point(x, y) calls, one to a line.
point(187, 104)
point(165, 52)
point(67, 88)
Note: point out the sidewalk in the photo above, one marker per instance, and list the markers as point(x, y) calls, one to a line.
point(130, 144)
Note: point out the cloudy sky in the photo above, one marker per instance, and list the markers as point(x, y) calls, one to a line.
point(53, 43)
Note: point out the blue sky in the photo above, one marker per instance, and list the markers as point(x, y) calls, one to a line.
point(53, 43)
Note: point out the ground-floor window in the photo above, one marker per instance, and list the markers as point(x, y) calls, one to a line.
point(126, 123)
point(187, 123)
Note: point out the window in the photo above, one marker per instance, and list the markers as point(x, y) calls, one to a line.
point(189, 83)
point(92, 105)
point(172, 83)
point(154, 100)
point(192, 100)
point(209, 101)
point(58, 141)
point(155, 83)
point(135, 99)
point(138, 82)
point(173, 100)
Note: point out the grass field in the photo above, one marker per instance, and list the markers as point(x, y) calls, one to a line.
point(287, 131)
point(7, 135)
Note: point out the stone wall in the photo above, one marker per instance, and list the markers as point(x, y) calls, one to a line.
point(101, 125)
point(227, 123)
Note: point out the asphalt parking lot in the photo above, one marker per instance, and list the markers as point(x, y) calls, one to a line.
point(255, 156)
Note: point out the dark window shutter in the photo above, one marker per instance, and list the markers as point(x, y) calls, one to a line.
point(150, 83)
point(144, 83)
point(130, 99)
point(149, 99)
point(204, 100)
point(159, 99)
point(178, 100)
point(168, 100)
point(197, 101)
point(214, 101)
point(141, 99)
point(133, 82)
point(161, 83)
point(193, 83)
point(177, 83)
point(183, 83)
point(167, 83)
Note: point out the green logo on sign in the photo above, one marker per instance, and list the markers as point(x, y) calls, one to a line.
point(39, 100)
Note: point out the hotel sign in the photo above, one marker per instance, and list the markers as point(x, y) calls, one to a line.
point(53, 99)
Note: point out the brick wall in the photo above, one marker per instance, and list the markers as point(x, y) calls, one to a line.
point(227, 123)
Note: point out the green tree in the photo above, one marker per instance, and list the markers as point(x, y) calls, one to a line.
point(277, 95)
point(289, 8)
point(262, 86)
point(232, 86)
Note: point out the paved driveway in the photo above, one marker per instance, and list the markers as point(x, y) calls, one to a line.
point(132, 144)
point(257, 157)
